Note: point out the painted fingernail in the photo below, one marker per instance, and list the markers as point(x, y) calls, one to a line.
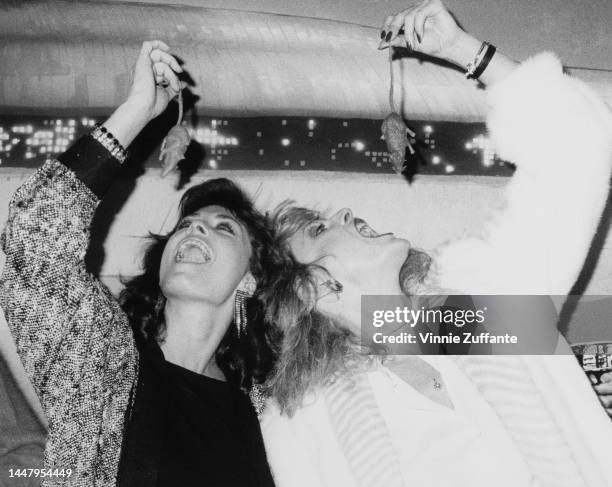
point(388, 37)
point(401, 32)
point(418, 37)
point(383, 34)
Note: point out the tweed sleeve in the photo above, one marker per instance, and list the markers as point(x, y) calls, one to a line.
point(71, 334)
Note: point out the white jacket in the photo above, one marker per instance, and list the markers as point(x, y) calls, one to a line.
point(559, 134)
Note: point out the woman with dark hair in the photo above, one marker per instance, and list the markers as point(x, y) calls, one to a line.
point(243, 355)
point(150, 390)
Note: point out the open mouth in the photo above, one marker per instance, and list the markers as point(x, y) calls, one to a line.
point(193, 251)
point(364, 229)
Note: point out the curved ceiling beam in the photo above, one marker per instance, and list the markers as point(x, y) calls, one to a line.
point(59, 55)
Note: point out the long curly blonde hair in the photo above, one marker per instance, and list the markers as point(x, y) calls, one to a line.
point(312, 348)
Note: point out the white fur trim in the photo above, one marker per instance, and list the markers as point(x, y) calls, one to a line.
point(559, 134)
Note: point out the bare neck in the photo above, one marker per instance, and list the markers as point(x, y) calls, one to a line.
point(346, 307)
point(194, 331)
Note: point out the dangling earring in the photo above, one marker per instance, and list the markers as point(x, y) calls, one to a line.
point(240, 312)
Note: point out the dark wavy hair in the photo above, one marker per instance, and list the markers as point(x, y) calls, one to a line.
point(246, 359)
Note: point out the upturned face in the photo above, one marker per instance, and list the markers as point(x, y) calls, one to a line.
point(206, 257)
point(361, 259)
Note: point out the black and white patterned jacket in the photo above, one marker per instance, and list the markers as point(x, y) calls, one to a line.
point(74, 339)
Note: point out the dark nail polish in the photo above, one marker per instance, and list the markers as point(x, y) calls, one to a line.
point(401, 32)
point(383, 34)
point(388, 37)
point(418, 37)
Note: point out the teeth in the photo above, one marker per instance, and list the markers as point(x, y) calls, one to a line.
point(364, 229)
point(193, 251)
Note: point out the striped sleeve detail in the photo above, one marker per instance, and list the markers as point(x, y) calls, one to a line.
point(362, 433)
point(507, 385)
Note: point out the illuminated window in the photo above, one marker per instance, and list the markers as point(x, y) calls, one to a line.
point(285, 142)
point(359, 146)
point(435, 160)
point(311, 124)
point(488, 157)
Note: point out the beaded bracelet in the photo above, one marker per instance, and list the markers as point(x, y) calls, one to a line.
point(101, 134)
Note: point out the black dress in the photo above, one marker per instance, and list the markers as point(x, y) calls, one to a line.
point(186, 430)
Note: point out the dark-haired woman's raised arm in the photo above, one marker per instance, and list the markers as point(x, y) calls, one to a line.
point(71, 334)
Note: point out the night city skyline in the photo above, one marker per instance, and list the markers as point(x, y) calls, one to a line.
point(276, 143)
